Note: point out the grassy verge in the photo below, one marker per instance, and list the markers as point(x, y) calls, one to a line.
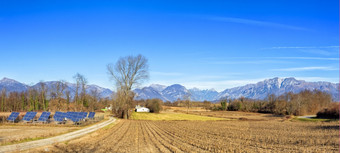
point(313, 119)
point(172, 116)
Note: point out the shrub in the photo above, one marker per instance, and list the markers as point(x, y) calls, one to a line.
point(155, 105)
point(332, 112)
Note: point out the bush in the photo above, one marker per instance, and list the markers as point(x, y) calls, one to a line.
point(332, 112)
point(155, 105)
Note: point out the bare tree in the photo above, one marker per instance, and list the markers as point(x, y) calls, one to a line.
point(61, 86)
point(128, 72)
point(81, 81)
point(3, 99)
point(43, 94)
point(76, 94)
point(187, 101)
point(94, 97)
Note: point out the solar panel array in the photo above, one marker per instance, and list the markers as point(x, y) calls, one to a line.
point(44, 116)
point(13, 116)
point(29, 116)
point(59, 116)
point(91, 115)
point(76, 116)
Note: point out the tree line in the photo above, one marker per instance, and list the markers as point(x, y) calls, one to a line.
point(57, 97)
point(303, 103)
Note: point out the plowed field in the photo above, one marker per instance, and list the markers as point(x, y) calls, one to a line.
point(208, 136)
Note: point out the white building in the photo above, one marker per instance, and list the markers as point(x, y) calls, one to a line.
point(142, 109)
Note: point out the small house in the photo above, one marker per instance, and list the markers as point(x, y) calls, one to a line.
point(142, 109)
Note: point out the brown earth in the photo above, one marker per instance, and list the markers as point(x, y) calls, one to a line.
point(207, 136)
point(12, 134)
point(237, 115)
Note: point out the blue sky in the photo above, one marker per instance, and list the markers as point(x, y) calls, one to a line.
point(204, 44)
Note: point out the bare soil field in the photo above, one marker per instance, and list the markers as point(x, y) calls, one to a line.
point(167, 116)
point(13, 134)
point(207, 136)
point(237, 115)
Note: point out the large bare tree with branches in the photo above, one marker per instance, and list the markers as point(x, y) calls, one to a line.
point(128, 72)
point(81, 81)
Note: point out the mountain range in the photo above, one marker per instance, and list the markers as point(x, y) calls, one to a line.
point(260, 90)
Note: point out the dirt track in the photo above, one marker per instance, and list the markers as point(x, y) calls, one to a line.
point(60, 138)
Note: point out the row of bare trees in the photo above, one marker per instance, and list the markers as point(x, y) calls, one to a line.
point(56, 97)
point(304, 103)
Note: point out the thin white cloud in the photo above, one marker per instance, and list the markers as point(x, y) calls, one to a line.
point(312, 68)
point(309, 58)
point(319, 52)
point(250, 62)
point(301, 47)
point(257, 23)
point(166, 73)
point(317, 79)
point(264, 59)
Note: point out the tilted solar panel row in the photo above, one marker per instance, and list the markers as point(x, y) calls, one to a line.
point(59, 116)
point(76, 116)
point(91, 115)
point(13, 116)
point(44, 116)
point(29, 116)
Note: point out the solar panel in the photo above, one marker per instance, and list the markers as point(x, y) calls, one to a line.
point(84, 115)
point(13, 116)
point(29, 116)
point(70, 115)
point(59, 116)
point(79, 116)
point(91, 115)
point(44, 116)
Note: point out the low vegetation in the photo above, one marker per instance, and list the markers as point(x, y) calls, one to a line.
point(304, 103)
point(331, 112)
point(171, 116)
point(155, 105)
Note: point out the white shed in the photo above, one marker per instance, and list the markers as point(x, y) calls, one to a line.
point(142, 109)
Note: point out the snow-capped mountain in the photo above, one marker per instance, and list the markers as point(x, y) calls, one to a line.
point(174, 92)
point(11, 85)
point(260, 90)
point(149, 93)
point(201, 95)
point(279, 86)
point(158, 87)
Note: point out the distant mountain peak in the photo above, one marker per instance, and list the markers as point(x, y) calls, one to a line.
point(158, 87)
point(5, 79)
